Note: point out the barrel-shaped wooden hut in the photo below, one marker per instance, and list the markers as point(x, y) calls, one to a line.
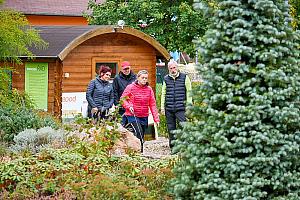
point(58, 76)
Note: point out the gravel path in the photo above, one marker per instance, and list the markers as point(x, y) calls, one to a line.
point(157, 149)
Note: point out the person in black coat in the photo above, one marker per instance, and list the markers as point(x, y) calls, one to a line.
point(99, 93)
point(124, 78)
point(176, 94)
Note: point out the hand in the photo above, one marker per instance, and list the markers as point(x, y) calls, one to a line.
point(163, 111)
point(94, 110)
point(131, 110)
point(156, 124)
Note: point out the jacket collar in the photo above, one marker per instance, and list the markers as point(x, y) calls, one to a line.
point(141, 86)
point(101, 81)
point(129, 76)
point(176, 76)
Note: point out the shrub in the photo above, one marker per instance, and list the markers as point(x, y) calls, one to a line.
point(34, 141)
point(244, 140)
point(162, 128)
point(85, 171)
point(16, 119)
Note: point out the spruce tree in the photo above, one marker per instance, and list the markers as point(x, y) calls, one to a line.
point(243, 139)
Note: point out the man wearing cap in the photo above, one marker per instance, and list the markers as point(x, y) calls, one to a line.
point(124, 78)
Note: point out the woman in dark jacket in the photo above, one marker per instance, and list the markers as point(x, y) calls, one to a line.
point(100, 94)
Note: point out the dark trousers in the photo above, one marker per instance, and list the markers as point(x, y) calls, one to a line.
point(138, 126)
point(172, 117)
point(139, 130)
point(124, 118)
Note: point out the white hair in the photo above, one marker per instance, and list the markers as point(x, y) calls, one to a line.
point(172, 62)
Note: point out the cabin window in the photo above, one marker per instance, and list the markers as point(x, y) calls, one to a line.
point(113, 63)
point(113, 66)
point(36, 84)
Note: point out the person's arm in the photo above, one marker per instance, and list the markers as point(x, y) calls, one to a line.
point(126, 96)
point(111, 98)
point(89, 94)
point(188, 86)
point(152, 105)
point(163, 96)
point(115, 91)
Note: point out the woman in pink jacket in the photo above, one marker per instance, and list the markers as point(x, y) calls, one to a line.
point(137, 98)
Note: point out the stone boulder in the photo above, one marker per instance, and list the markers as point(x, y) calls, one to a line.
point(127, 141)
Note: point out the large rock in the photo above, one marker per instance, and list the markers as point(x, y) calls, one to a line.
point(127, 142)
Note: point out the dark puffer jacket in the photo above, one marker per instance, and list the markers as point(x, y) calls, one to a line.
point(100, 94)
point(175, 93)
point(120, 83)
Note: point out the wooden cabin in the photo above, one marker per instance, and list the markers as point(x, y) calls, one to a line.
point(51, 12)
point(58, 76)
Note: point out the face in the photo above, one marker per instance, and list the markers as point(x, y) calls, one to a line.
point(126, 70)
point(105, 76)
point(142, 79)
point(173, 69)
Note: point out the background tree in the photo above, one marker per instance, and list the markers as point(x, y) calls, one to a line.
point(243, 139)
point(16, 36)
point(175, 24)
point(295, 12)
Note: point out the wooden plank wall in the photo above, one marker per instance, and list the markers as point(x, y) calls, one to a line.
point(118, 46)
point(18, 82)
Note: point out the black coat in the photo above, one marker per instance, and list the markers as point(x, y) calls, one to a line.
point(175, 93)
point(100, 94)
point(120, 83)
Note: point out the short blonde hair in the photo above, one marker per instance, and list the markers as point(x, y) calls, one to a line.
point(172, 62)
point(142, 72)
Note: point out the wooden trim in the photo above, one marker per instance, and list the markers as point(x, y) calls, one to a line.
point(58, 88)
point(104, 60)
point(110, 30)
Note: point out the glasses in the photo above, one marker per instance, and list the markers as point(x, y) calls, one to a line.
point(107, 74)
point(125, 69)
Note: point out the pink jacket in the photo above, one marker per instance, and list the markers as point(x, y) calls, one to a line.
point(140, 98)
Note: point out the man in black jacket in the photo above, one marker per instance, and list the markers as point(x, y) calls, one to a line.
point(175, 97)
point(124, 78)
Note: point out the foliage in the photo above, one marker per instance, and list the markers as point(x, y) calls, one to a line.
point(173, 23)
point(295, 12)
point(162, 128)
point(34, 141)
point(16, 36)
point(15, 98)
point(244, 138)
point(84, 170)
point(17, 114)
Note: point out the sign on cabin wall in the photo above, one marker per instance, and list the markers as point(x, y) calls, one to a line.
point(74, 103)
point(36, 84)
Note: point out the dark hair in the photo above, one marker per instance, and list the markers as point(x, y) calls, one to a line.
point(104, 69)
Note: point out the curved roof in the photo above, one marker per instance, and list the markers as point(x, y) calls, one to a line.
point(63, 39)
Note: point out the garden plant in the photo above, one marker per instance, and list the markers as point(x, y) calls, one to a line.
point(244, 137)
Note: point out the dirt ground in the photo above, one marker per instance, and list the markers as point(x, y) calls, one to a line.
point(157, 149)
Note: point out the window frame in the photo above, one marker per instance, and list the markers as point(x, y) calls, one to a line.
point(96, 60)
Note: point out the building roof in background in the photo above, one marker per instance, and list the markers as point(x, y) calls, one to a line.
point(58, 38)
point(62, 39)
point(49, 7)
